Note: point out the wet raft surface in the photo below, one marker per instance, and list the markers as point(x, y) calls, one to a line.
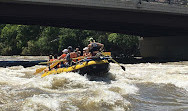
point(152, 87)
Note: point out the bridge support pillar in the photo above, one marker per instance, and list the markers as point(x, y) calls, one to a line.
point(164, 47)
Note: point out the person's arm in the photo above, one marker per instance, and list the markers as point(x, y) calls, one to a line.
point(101, 46)
point(60, 57)
point(89, 47)
point(89, 54)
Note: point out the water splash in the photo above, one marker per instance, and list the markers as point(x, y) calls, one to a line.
point(21, 90)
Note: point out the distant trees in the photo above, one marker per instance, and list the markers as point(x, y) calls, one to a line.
point(126, 44)
point(40, 40)
point(8, 40)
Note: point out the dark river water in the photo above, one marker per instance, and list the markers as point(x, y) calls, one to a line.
point(142, 87)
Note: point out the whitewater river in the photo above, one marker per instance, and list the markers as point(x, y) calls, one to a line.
point(142, 87)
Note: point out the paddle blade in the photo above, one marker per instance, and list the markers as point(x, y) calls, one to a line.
point(106, 53)
point(123, 68)
point(39, 70)
point(54, 64)
point(45, 74)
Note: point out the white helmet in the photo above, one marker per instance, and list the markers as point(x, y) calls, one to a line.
point(65, 50)
point(86, 48)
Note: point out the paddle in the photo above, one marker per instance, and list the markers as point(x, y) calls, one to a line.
point(117, 63)
point(114, 61)
point(52, 61)
point(39, 70)
point(51, 66)
point(43, 68)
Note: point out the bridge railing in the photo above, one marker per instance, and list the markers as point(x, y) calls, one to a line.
point(177, 2)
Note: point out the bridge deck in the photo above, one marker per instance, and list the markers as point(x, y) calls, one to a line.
point(124, 16)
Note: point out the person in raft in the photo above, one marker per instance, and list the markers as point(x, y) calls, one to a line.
point(50, 59)
point(86, 52)
point(55, 59)
point(63, 56)
point(95, 47)
point(70, 56)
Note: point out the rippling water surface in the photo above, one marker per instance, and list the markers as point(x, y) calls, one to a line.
point(142, 87)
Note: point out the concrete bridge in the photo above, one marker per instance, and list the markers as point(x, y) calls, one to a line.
point(144, 18)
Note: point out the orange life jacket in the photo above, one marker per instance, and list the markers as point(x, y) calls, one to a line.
point(73, 55)
point(51, 61)
point(81, 57)
point(63, 56)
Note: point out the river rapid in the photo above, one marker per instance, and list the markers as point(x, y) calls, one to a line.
point(142, 87)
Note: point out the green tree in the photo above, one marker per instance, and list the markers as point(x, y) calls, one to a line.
point(31, 49)
point(71, 37)
point(26, 33)
point(40, 40)
point(123, 45)
point(1, 27)
point(47, 43)
point(8, 40)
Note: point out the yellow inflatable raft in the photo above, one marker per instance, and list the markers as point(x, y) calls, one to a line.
point(89, 67)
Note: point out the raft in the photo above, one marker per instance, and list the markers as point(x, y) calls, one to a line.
point(89, 67)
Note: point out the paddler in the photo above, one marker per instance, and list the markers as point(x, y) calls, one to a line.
point(70, 55)
point(50, 59)
point(55, 59)
point(86, 52)
point(65, 51)
point(77, 51)
point(95, 47)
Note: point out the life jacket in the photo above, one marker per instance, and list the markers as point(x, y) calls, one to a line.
point(50, 61)
point(73, 55)
point(81, 57)
point(94, 47)
point(63, 56)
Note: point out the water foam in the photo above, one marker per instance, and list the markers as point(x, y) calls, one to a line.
point(71, 91)
point(159, 73)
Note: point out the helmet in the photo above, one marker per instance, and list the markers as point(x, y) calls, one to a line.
point(85, 48)
point(65, 50)
point(91, 39)
point(69, 47)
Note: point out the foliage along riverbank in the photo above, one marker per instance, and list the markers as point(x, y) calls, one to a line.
point(42, 40)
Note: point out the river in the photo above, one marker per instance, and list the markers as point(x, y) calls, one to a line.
point(142, 87)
